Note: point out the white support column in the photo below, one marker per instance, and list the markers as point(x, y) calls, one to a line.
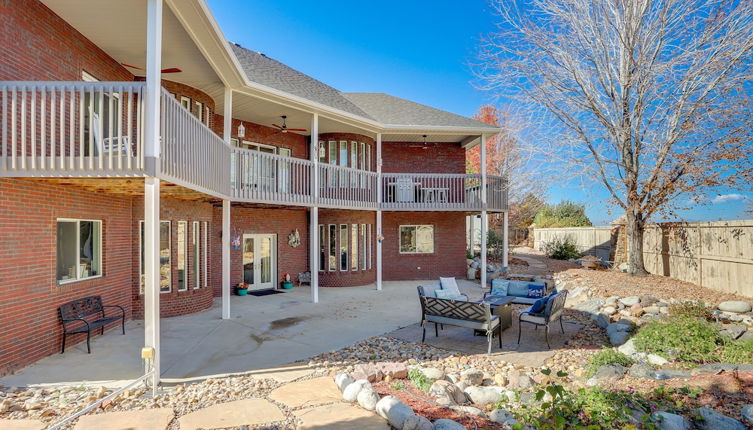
point(472, 233)
point(228, 115)
point(152, 186)
point(505, 240)
point(484, 217)
point(226, 259)
point(379, 212)
point(314, 227)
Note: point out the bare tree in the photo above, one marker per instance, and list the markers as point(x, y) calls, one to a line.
point(647, 97)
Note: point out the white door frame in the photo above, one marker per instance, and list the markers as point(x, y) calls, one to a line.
point(272, 284)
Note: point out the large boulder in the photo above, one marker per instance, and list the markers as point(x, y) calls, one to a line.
point(350, 394)
point(601, 319)
point(668, 421)
point(712, 420)
point(394, 411)
point(472, 376)
point(432, 373)
point(747, 413)
point(640, 370)
point(502, 416)
point(446, 393)
point(630, 301)
point(342, 380)
point(368, 372)
point(607, 372)
point(733, 331)
point(735, 306)
point(590, 306)
point(393, 370)
point(618, 338)
point(628, 348)
point(483, 396)
point(368, 398)
point(468, 410)
point(445, 424)
point(417, 422)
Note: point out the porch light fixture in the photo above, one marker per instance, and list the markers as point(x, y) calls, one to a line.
point(241, 130)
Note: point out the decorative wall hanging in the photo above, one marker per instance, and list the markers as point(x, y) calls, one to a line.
point(294, 239)
point(235, 243)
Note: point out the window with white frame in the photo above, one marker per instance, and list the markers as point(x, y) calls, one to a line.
point(185, 102)
point(195, 255)
point(363, 246)
point(354, 247)
point(322, 152)
point(332, 249)
point(205, 246)
point(370, 251)
point(343, 247)
point(182, 244)
point(79, 249)
point(354, 155)
point(199, 111)
point(343, 153)
point(368, 157)
point(416, 239)
point(165, 257)
point(322, 247)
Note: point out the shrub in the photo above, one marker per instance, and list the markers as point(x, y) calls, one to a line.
point(738, 352)
point(681, 338)
point(691, 310)
point(561, 248)
point(398, 385)
point(607, 356)
point(563, 214)
point(418, 379)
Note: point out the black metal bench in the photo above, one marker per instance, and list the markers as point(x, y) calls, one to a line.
point(76, 317)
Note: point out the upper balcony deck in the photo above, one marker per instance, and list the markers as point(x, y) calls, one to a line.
point(95, 129)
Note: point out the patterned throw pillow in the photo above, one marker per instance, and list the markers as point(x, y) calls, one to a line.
point(449, 284)
point(447, 294)
point(499, 287)
point(536, 290)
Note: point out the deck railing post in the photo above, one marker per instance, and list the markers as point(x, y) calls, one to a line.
point(484, 217)
point(379, 212)
point(505, 238)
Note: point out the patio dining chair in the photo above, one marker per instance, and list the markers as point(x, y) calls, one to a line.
point(555, 306)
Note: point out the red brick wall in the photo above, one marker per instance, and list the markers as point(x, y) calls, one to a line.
point(38, 45)
point(448, 258)
point(409, 158)
point(261, 221)
point(29, 294)
point(175, 302)
point(348, 278)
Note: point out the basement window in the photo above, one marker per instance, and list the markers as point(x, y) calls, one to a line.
point(416, 239)
point(79, 250)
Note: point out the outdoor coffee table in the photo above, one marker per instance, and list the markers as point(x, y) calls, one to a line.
point(500, 306)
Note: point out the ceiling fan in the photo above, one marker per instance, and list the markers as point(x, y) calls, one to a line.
point(284, 127)
point(168, 70)
point(424, 146)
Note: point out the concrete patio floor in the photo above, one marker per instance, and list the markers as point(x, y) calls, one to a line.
point(263, 332)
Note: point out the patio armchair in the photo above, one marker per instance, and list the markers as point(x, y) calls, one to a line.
point(555, 306)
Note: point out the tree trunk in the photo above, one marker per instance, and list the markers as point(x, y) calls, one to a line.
point(635, 225)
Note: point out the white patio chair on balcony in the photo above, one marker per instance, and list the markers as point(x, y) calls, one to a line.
point(117, 145)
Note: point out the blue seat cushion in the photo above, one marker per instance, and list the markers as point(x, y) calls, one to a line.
point(518, 289)
point(448, 294)
point(536, 290)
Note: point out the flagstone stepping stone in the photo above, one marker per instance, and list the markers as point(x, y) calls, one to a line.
point(144, 419)
point(283, 374)
point(309, 392)
point(247, 412)
point(22, 425)
point(339, 416)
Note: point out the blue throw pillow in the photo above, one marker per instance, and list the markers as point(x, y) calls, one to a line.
point(499, 287)
point(536, 290)
point(446, 294)
point(539, 305)
point(518, 289)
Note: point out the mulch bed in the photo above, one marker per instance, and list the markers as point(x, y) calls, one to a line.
point(422, 404)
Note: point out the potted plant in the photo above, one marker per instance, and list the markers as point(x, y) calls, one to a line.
point(242, 289)
point(286, 282)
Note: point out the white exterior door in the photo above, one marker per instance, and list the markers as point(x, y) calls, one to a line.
point(260, 260)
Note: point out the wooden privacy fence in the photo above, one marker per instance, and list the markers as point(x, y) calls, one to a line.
point(595, 241)
point(716, 255)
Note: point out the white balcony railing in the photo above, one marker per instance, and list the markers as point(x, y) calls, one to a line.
point(71, 128)
point(95, 129)
point(192, 155)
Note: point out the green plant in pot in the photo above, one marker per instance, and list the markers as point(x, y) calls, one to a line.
point(242, 289)
point(286, 282)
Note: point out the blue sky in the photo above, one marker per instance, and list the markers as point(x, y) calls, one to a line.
point(419, 50)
